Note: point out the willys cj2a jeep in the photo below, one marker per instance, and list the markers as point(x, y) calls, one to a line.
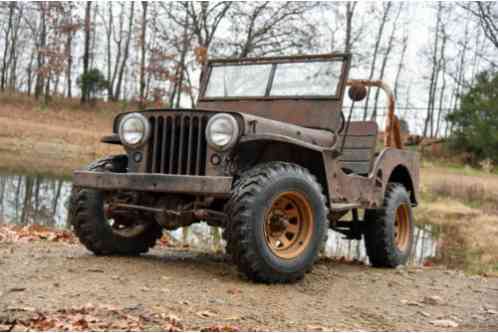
point(268, 155)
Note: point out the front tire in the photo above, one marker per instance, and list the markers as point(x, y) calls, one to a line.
point(126, 235)
point(278, 222)
point(389, 231)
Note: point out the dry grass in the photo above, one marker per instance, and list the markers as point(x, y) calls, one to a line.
point(54, 139)
point(464, 206)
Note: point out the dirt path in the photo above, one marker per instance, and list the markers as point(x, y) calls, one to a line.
point(202, 291)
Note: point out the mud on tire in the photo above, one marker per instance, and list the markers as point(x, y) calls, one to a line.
point(389, 231)
point(252, 202)
point(86, 215)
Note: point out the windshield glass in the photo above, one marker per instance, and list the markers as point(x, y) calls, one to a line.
point(310, 78)
point(238, 80)
point(306, 79)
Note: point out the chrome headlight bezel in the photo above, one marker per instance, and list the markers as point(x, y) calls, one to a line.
point(145, 132)
point(234, 135)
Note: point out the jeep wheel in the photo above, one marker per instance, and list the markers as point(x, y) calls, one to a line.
point(278, 222)
point(106, 234)
point(389, 231)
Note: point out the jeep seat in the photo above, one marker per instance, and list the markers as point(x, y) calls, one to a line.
point(359, 148)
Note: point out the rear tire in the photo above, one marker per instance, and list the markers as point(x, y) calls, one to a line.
point(86, 215)
point(389, 231)
point(278, 222)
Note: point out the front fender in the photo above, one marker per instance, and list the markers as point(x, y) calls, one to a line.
point(280, 138)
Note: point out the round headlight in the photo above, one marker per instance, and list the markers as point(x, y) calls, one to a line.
point(134, 129)
point(222, 131)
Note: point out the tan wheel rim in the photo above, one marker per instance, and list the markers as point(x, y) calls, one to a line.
point(402, 227)
point(289, 225)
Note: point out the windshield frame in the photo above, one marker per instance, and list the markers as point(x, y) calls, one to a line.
point(274, 61)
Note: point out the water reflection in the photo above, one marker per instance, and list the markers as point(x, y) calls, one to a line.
point(29, 199)
point(34, 199)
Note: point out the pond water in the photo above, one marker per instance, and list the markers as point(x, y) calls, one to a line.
point(36, 199)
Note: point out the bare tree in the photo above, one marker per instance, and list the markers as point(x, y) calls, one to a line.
point(350, 8)
point(386, 8)
point(387, 53)
point(12, 6)
point(434, 72)
point(263, 28)
point(126, 53)
point(142, 54)
point(487, 14)
point(86, 52)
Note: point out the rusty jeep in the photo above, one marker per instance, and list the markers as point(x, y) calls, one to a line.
point(268, 155)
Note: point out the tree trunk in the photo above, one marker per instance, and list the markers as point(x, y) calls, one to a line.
point(182, 62)
point(109, 60)
point(13, 51)
point(142, 55)
point(86, 52)
point(375, 53)
point(40, 77)
point(401, 64)
point(125, 55)
point(3, 79)
point(385, 59)
point(433, 73)
point(350, 7)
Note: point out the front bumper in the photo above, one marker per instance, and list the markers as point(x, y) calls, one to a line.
point(200, 185)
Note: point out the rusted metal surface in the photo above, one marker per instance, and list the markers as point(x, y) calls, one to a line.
point(258, 127)
point(216, 186)
point(111, 139)
point(308, 111)
point(357, 91)
point(369, 191)
point(392, 133)
point(177, 159)
point(359, 146)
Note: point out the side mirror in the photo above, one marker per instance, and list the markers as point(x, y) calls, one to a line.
point(357, 92)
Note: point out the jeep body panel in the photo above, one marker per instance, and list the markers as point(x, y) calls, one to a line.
point(369, 191)
point(323, 111)
point(282, 126)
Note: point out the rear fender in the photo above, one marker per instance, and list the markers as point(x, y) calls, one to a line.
point(397, 166)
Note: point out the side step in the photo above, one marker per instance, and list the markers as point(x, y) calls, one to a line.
point(341, 207)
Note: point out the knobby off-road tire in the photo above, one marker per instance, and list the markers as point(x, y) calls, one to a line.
point(227, 231)
point(277, 222)
point(389, 231)
point(86, 215)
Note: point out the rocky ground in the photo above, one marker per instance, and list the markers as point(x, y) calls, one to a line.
point(59, 285)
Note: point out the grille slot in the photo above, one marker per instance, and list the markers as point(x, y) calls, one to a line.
point(177, 145)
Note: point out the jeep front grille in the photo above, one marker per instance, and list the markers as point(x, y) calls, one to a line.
point(177, 144)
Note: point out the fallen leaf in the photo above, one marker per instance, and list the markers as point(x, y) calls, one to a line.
point(315, 328)
point(206, 314)
point(433, 300)
point(17, 308)
point(444, 323)
point(5, 328)
point(221, 328)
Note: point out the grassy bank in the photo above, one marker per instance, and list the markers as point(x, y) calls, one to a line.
point(52, 139)
point(463, 205)
point(462, 202)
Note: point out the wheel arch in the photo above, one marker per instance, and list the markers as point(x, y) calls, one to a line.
point(252, 152)
point(401, 175)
